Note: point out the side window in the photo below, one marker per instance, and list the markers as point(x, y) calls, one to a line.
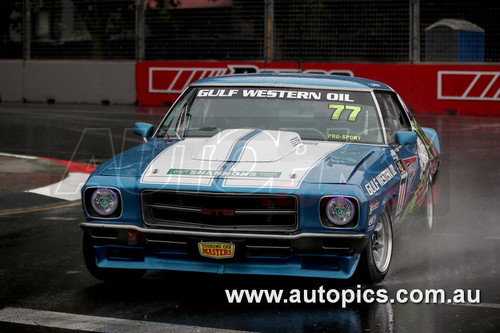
point(393, 113)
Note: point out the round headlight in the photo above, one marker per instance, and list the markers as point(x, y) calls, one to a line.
point(340, 210)
point(105, 201)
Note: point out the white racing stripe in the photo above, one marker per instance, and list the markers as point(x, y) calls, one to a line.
point(268, 159)
point(179, 156)
point(70, 321)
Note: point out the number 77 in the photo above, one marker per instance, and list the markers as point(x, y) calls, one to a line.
point(355, 110)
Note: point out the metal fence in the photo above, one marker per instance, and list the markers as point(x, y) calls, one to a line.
point(269, 30)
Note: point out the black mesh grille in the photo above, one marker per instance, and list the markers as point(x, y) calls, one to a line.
point(220, 212)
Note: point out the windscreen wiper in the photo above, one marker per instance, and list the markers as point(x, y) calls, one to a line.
point(184, 119)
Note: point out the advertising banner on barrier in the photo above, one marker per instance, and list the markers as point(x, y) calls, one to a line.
point(425, 88)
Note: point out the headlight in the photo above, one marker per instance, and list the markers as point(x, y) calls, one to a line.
point(339, 212)
point(105, 201)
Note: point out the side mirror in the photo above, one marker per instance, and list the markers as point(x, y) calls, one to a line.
point(404, 138)
point(144, 130)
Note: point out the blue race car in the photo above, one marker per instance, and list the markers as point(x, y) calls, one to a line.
point(272, 174)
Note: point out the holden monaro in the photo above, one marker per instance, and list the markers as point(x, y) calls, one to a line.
point(273, 174)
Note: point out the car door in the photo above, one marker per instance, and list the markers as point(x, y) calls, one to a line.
point(406, 157)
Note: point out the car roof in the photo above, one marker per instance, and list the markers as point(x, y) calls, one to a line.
point(293, 80)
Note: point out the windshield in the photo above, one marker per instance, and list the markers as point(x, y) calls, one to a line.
point(315, 114)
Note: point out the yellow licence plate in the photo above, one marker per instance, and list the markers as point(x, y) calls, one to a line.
point(216, 250)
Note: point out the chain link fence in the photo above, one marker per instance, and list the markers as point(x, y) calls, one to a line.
point(267, 30)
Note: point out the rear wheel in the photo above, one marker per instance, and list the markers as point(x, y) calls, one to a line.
point(427, 209)
point(377, 255)
point(106, 274)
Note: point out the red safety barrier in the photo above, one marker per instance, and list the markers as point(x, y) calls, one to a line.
point(464, 89)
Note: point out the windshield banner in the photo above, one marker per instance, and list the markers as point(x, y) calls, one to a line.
point(277, 94)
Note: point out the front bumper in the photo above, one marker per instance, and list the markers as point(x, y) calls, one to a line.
point(326, 255)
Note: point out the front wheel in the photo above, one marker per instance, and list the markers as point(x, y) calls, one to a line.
point(377, 255)
point(106, 274)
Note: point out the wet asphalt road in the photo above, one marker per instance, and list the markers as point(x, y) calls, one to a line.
point(42, 268)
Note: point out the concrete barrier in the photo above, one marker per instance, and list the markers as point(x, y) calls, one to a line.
point(88, 82)
point(11, 80)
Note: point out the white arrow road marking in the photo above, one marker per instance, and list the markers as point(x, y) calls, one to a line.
point(67, 189)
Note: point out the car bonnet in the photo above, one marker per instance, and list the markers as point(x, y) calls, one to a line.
point(249, 158)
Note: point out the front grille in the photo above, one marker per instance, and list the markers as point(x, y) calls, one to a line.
point(219, 212)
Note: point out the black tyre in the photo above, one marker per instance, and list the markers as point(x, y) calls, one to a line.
point(427, 209)
point(377, 255)
point(106, 274)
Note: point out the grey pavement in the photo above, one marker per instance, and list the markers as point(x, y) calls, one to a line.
point(20, 174)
